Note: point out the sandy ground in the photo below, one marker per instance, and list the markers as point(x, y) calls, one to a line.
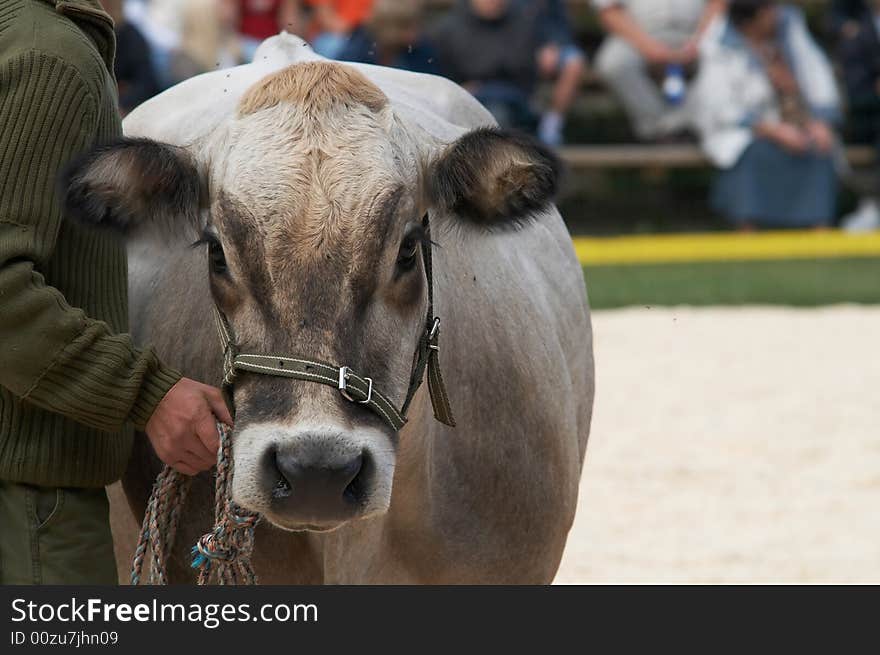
point(732, 445)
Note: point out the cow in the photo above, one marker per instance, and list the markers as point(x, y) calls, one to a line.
point(315, 191)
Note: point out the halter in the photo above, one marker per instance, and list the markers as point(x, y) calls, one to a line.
point(352, 386)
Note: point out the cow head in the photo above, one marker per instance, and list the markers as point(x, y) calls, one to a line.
point(309, 206)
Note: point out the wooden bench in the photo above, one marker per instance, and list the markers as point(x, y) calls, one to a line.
point(667, 156)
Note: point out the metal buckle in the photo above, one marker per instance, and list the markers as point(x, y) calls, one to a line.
point(344, 372)
point(433, 333)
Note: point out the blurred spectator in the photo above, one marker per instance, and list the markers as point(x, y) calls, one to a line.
point(392, 36)
point(335, 20)
point(260, 19)
point(210, 38)
point(860, 62)
point(766, 102)
point(649, 39)
point(489, 47)
point(132, 66)
point(559, 59)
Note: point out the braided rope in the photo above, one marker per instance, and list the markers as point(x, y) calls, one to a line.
point(224, 553)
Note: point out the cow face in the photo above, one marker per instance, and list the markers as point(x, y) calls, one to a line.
point(309, 205)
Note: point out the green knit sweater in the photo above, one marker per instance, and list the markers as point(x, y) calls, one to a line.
point(71, 382)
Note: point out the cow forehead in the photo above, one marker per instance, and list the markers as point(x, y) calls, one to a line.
point(310, 203)
point(311, 149)
point(312, 232)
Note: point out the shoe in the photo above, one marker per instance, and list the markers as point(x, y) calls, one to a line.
point(865, 219)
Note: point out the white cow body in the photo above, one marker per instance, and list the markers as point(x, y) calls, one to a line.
point(489, 501)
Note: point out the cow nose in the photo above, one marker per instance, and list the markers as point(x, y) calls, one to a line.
point(318, 491)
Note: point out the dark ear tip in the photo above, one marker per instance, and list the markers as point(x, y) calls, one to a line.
point(498, 179)
point(118, 184)
point(73, 188)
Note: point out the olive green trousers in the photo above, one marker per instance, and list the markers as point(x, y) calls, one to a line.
point(50, 535)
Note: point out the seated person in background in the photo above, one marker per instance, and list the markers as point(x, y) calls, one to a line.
point(560, 59)
point(260, 19)
point(133, 65)
point(489, 47)
point(859, 53)
point(334, 22)
point(766, 103)
point(649, 40)
point(392, 36)
point(210, 39)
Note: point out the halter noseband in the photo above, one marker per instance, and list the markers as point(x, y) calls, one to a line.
point(353, 387)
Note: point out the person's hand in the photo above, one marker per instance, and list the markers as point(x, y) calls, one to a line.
point(689, 53)
point(657, 53)
point(548, 60)
point(328, 20)
point(821, 135)
point(183, 429)
point(790, 137)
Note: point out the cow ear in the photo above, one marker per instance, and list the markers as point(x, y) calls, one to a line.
point(134, 186)
point(495, 179)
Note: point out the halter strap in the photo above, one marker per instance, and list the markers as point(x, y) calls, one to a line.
point(352, 386)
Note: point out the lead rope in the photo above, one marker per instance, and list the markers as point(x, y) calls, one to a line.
point(222, 555)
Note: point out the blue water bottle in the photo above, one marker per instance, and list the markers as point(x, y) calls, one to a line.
point(674, 86)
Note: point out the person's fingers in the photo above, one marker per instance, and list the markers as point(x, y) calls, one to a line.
point(218, 405)
point(201, 460)
point(182, 467)
point(197, 448)
point(206, 431)
point(196, 463)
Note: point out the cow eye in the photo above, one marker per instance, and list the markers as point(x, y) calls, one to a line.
point(409, 251)
point(413, 239)
point(216, 258)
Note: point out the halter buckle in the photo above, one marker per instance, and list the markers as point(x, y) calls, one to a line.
point(433, 333)
point(344, 372)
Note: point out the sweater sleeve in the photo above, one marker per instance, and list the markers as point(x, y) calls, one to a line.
point(52, 354)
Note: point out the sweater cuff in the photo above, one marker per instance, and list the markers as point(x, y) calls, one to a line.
point(156, 385)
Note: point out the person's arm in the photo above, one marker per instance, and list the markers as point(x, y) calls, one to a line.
point(791, 137)
point(327, 19)
point(616, 20)
point(53, 355)
point(691, 49)
point(290, 17)
point(714, 8)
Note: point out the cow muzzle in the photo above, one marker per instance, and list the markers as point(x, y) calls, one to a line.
point(313, 479)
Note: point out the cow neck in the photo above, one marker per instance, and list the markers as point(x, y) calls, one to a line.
point(352, 386)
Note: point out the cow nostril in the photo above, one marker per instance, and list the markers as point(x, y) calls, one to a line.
point(282, 488)
point(356, 489)
point(318, 486)
point(351, 469)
